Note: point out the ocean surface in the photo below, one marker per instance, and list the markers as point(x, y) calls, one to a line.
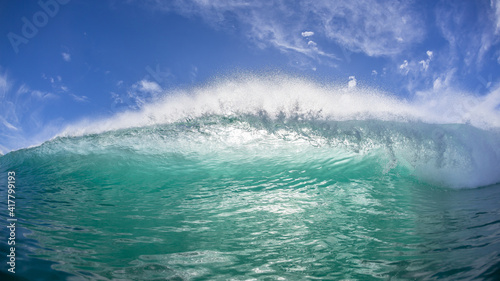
point(233, 190)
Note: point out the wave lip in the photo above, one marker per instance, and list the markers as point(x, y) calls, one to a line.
point(279, 96)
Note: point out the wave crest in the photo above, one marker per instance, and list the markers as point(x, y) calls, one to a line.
point(282, 122)
point(280, 96)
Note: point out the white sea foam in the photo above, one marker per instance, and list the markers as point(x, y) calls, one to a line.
point(283, 95)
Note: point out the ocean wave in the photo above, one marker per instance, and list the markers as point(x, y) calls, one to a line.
point(450, 155)
point(282, 122)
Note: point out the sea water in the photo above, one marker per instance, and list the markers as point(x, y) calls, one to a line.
point(229, 183)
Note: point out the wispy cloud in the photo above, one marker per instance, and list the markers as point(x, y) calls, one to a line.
point(425, 63)
point(79, 98)
point(307, 33)
point(352, 82)
point(4, 85)
point(376, 28)
point(148, 86)
point(59, 88)
point(140, 93)
point(404, 67)
point(417, 71)
point(193, 73)
point(21, 122)
point(371, 27)
point(495, 4)
point(8, 125)
point(478, 30)
point(66, 57)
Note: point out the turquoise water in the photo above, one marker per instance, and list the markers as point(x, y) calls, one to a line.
point(248, 197)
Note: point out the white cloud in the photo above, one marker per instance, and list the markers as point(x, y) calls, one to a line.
point(307, 33)
point(429, 54)
point(374, 72)
point(79, 98)
point(416, 69)
point(58, 87)
point(377, 29)
point(66, 56)
point(425, 64)
point(23, 89)
point(193, 73)
point(352, 82)
point(496, 6)
point(137, 95)
point(8, 125)
point(4, 86)
point(7, 105)
point(372, 27)
point(470, 35)
point(444, 81)
point(20, 113)
point(404, 67)
point(149, 86)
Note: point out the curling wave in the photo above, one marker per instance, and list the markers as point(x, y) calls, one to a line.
point(291, 120)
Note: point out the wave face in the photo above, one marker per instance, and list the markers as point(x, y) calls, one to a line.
point(453, 155)
point(219, 186)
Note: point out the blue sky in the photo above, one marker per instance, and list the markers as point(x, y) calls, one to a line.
point(64, 60)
